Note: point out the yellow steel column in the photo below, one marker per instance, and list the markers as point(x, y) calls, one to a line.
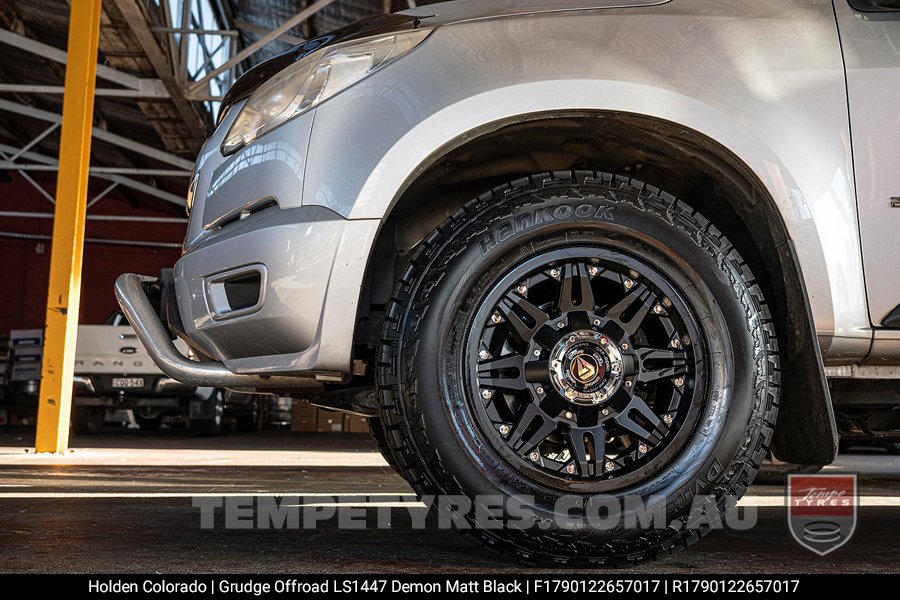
point(68, 229)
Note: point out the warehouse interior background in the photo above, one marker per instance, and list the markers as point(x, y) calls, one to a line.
point(162, 69)
point(155, 105)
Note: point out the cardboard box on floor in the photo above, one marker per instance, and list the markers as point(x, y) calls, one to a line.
point(307, 418)
point(356, 424)
point(330, 422)
point(303, 416)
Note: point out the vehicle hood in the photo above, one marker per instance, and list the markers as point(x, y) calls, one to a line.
point(433, 15)
point(446, 13)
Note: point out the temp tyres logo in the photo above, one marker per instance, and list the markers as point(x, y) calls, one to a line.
point(822, 510)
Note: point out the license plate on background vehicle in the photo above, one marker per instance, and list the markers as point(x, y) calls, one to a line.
point(128, 382)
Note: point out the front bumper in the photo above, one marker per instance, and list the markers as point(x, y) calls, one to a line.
point(268, 286)
point(307, 266)
point(155, 338)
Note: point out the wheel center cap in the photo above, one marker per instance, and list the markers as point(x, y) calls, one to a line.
point(586, 367)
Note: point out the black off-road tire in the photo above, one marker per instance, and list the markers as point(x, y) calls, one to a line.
point(87, 420)
point(256, 418)
point(214, 425)
point(207, 427)
point(149, 423)
point(429, 427)
point(379, 436)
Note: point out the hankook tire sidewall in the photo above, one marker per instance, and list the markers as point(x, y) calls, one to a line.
point(492, 245)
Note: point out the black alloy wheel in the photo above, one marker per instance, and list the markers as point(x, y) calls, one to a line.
point(575, 335)
point(586, 367)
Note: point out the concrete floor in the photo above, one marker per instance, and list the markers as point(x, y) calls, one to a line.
point(121, 502)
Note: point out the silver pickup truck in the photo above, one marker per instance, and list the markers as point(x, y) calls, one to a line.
point(113, 371)
point(617, 247)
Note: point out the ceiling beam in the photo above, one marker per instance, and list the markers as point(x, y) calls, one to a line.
point(120, 179)
point(11, 165)
point(134, 15)
point(256, 29)
point(100, 134)
point(19, 214)
point(197, 87)
point(149, 87)
point(28, 88)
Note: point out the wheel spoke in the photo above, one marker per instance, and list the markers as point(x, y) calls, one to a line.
point(537, 371)
point(575, 279)
point(626, 421)
point(513, 307)
point(646, 376)
point(617, 311)
point(675, 364)
point(510, 361)
point(658, 354)
point(488, 368)
point(523, 443)
point(578, 446)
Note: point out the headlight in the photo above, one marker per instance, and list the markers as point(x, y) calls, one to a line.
point(192, 189)
point(312, 79)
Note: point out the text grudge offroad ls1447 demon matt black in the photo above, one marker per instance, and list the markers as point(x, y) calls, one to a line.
point(579, 333)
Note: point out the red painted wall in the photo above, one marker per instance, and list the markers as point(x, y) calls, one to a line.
point(25, 264)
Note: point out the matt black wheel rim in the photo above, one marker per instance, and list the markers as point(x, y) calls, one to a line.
point(585, 369)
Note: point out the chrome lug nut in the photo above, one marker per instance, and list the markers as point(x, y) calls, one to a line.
point(560, 325)
point(504, 429)
point(487, 394)
point(610, 465)
point(624, 346)
point(554, 273)
point(605, 411)
point(629, 283)
point(540, 390)
point(596, 322)
point(534, 456)
point(642, 448)
point(522, 288)
point(667, 419)
point(676, 343)
point(537, 352)
point(484, 355)
point(679, 381)
point(570, 469)
point(592, 271)
point(568, 415)
point(496, 318)
point(658, 309)
point(628, 383)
